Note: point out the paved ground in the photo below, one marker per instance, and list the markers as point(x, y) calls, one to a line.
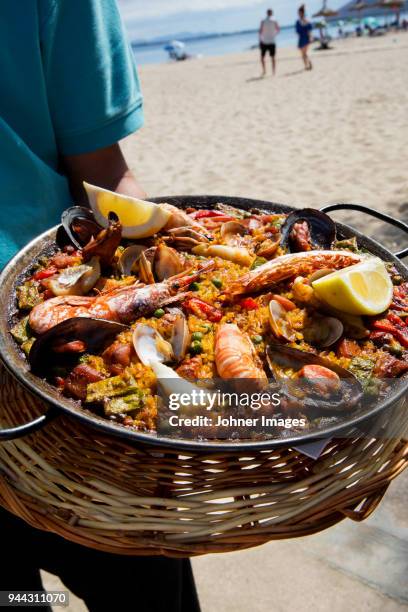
point(350, 567)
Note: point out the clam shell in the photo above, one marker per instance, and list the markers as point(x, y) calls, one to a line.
point(150, 346)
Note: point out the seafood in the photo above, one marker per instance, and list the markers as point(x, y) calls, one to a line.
point(287, 266)
point(76, 280)
point(323, 331)
point(105, 243)
point(82, 230)
point(185, 237)
point(72, 336)
point(167, 262)
point(179, 218)
point(279, 323)
point(79, 225)
point(235, 356)
point(239, 255)
point(129, 258)
point(124, 304)
point(217, 296)
point(307, 229)
point(150, 346)
point(231, 232)
point(313, 381)
point(180, 337)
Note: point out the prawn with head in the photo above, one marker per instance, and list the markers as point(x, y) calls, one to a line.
point(235, 357)
point(289, 266)
point(123, 305)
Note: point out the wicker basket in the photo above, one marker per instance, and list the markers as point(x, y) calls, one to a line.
point(108, 494)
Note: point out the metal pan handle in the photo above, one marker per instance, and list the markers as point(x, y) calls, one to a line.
point(373, 213)
point(12, 433)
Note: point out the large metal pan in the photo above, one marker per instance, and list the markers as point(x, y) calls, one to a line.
point(17, 365)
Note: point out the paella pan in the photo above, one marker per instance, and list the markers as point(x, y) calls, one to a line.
point(104, 317)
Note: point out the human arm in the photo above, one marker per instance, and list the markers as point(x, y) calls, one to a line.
point(260, 30)
point(94, 98)
point(104, 167)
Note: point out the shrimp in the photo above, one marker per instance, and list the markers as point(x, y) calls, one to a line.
point(179, 218)
point(235, 356)
point(123, 305)
point(287, 266)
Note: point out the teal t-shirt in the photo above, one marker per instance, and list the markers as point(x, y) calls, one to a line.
point(68, 85)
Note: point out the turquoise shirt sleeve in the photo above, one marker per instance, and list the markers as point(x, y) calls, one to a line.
point(92, 85)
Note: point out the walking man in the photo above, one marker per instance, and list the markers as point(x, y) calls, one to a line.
point(268, 31)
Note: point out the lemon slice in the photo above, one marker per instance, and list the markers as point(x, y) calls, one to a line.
point(363, 289)
point(139, 218)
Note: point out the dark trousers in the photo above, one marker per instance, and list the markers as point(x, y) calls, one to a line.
point(103, 580)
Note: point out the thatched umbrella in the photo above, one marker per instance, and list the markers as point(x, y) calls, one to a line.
point(392, 5)
point(324, 12)
point(359, 6)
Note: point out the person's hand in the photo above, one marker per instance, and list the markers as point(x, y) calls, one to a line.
point(105, 168)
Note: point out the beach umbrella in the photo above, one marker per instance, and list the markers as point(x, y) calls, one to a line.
point(325, 11)
point(392, 5)
point(359, 6)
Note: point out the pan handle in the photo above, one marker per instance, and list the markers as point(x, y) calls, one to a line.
point(373, 213)
point(12, 433)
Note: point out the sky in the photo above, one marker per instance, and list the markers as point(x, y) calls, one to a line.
point(146, 19)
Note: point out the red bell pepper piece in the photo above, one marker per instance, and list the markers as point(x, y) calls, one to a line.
point(202, 214)
point(200, 308)
point(249, 304)
point(46, 273)
point(395, 319)
point(399, 333)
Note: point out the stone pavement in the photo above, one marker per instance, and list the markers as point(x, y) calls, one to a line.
point(350, 567)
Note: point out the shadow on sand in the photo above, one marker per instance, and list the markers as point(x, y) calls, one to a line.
point(294, 73)
point(252, 79)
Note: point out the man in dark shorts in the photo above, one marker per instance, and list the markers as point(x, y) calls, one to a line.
point(268, 30)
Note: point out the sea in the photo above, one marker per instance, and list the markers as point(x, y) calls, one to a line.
point(208, 45)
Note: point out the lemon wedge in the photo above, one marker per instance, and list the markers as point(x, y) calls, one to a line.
point(363, 289)
point(139, 218)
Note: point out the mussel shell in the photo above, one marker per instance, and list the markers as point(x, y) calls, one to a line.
point(95, 334)
point(79, 225)
point(322, 228)
point(351, 388)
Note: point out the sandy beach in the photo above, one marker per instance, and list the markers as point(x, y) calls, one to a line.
point(337, 133)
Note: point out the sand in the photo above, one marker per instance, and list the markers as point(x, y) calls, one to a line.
point(337, 133)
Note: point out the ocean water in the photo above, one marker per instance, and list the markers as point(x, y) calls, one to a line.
point(220, 45)
point(154, 53)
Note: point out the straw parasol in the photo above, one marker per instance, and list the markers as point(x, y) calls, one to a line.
point(391, 5)
point(359, 6)
point(325, 11)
